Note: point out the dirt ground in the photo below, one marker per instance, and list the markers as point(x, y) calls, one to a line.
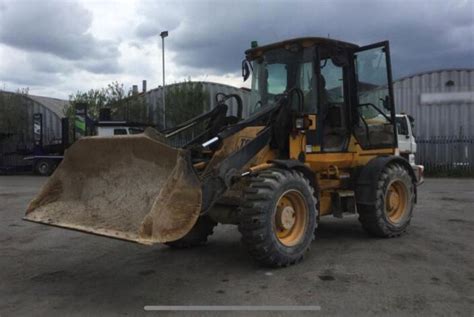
point(429, 271)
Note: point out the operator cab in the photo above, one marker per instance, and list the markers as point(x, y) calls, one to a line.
point(345, 89)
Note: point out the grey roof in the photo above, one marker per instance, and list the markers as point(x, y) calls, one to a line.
point(53, 104)
point(206, 83)
point(323, 41)
point(440, 70)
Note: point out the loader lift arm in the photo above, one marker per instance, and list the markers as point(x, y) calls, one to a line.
point(217, 119)
point(221, 176)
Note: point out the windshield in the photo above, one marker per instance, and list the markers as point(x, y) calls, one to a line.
point(280, 70)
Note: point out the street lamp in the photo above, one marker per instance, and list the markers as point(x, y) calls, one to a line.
point(163, 35)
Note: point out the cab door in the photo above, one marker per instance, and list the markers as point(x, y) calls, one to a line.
point(328, 142)
point(373, 112)
point(333, 106)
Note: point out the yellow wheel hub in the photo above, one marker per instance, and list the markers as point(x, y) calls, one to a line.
point(286, 217)
point(396, 201)
point(291, 218)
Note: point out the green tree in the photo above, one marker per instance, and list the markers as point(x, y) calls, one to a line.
point(185, 101)
point(123, 105)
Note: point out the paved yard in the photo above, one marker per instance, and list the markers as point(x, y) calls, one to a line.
point(429, 271)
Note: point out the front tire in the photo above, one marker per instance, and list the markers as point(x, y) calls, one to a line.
point(393, 209)
point(278, 217)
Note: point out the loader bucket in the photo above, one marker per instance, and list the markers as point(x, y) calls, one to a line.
point(132, 187)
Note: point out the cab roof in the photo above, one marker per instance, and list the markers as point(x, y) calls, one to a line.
point(303, 41)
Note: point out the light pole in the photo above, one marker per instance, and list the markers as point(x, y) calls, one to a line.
point(163, 35)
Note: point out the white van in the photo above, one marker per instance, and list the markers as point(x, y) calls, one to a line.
point(110, 128)
point(407, 142)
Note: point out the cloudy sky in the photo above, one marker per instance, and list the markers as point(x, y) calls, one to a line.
point(57, 47)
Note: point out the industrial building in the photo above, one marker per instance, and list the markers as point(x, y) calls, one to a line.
point(16, 143)
point(19, 139)
point(440, 101)
point(442, 104)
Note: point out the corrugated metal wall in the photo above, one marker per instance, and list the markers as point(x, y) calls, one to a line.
point(24, 141)
point(444, 129)
point(51, 123)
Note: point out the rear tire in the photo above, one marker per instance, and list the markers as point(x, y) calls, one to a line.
point(198, 235)
point(392, 212)
point(278, 217)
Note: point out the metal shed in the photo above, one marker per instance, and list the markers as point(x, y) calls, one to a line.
point(51, 110)
point(442, 103)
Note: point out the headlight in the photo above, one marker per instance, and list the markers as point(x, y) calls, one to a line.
point(411, 159)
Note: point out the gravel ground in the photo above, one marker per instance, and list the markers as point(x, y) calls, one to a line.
point(429, 271)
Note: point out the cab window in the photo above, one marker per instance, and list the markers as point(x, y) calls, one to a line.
point(120, 131)
point(375, 128)
point(135, 130)
point(402, 126)
point(276, 79)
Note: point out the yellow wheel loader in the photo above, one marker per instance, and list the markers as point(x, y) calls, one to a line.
point(320, 140)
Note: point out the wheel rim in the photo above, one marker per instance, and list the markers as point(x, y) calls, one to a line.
point(291, 218)
point(43, 168)
point(396, 201)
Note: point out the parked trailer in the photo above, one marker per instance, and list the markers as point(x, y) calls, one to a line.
point(50, 156)
point(44, 165)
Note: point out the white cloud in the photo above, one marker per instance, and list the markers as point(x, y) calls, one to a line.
point(58, 47)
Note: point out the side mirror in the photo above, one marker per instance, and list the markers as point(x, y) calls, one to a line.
point(246, 69)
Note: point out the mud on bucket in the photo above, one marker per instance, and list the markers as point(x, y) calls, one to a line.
point(127, 187)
